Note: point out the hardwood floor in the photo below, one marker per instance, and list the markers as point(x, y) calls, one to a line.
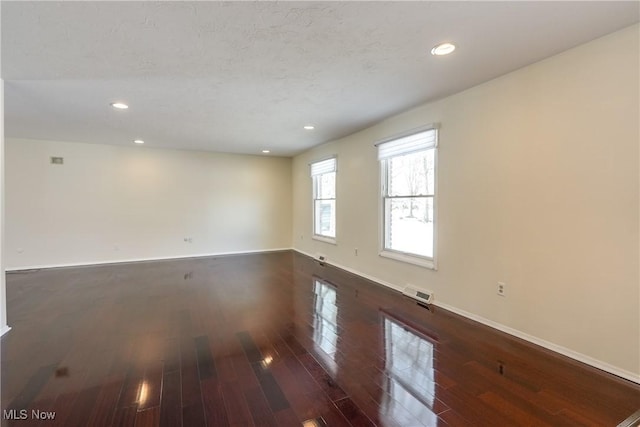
point(274, 340)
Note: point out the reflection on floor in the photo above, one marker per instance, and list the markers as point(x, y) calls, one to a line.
point(325, 324)
point(410, 378)
point(273, 339)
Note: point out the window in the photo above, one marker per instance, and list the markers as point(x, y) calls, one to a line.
point(408, 197)
point(323, 174)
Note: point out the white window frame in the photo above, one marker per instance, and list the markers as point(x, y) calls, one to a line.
point(411, 258)
point(318, 168)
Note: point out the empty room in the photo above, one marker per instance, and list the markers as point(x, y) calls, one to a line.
point(319, 214)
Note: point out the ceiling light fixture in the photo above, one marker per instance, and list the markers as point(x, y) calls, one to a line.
point(443, 49)
point(266, 151)
point(138, 141)
point(119, 105)
point(309, 127)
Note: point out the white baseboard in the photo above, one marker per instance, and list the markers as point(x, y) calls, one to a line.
point(122, 261)
point(546, 344)
point(4, 330)
point(628, 375)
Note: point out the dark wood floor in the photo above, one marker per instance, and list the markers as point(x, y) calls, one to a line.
point(274, 340)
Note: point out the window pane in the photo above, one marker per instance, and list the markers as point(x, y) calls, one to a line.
point(326, 186)
point(409, 225)
point(325, 218)
point(411, 174)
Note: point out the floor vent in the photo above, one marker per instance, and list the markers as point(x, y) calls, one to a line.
point(425, 297)
point(321, 258)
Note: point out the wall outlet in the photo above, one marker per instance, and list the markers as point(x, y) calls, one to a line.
point(188, 240)
point(501, 289)
point(355, 251)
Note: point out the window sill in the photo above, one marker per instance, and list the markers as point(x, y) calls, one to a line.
point(410, 259)
point(324, 239)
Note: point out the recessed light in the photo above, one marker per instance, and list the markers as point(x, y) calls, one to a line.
point(443, 49)
point(138, 141)
point(309, 127)
point(266, 151)
point(119, 105)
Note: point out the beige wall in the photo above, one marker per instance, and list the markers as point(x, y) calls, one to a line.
point(109, 203)
point(538, 186)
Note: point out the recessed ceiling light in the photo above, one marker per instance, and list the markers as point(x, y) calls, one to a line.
point(443, 49)
point(309, 127)
point(138, 141)
point(119, 105)
point(266, 151)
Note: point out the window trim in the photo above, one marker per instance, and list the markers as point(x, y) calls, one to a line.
point(406, 257)
point(314, 235)
point(325, 239)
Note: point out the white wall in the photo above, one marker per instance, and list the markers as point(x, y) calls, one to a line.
point(3, 295)
point(538, 187)
point(111, 203)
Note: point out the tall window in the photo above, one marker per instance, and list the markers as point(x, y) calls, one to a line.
point(323, 174)
point(408, 196)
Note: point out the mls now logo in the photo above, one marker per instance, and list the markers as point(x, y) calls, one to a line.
point(23, 414)
point(14, 414)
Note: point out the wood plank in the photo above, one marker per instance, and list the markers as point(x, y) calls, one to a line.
point(148, 417)
point(171, 400)
point(214, 409)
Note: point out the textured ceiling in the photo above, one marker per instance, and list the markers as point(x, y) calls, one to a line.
point(245, 76)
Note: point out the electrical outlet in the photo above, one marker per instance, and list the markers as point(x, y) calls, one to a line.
point(355, 251)
point(501, 289)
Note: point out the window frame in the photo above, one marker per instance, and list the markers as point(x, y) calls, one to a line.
point(314, 199)
point(408, 257)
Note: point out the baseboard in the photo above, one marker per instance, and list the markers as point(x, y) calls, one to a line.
point(356, 272)
point(4, 330)
point(546, 344)
point(126, 261)
point(622, 373)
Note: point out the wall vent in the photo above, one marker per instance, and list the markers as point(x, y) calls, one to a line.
point(57, 160)
point(321, 258)
point(425, 297)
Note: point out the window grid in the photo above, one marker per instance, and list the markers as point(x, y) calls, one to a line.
point(408, 197)
point(324, 199)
